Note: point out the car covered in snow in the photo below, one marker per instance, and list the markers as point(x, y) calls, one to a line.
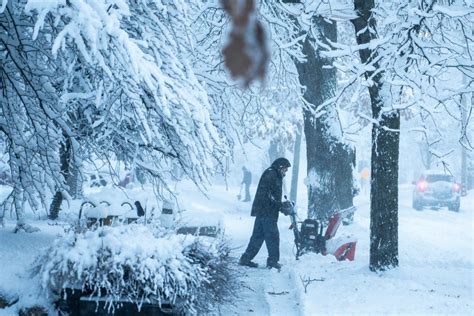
point(436, 189)
point(200, 223)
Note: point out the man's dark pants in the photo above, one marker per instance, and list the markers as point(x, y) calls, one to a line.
point(264, 229)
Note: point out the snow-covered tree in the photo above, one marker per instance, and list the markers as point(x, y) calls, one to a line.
point(408, 55)
point(31, 120)
point(136, 82)
point(329, 157)
point(114, 78)
point(269, 110)
point(408, 50)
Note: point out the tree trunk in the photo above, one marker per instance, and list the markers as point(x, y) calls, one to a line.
point(343, 175)
point(65, 153)
point(464, 107)
point(426, 156)
point(55, 205)
point(385, 147)
point(296, 165)
point(470, 166)
point(276, 149)
point(74, 178)
point(325, 153)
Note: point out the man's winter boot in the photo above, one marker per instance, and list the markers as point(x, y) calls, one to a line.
point(248, 263)
point(275, 265)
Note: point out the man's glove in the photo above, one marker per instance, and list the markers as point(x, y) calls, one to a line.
point(286, 207)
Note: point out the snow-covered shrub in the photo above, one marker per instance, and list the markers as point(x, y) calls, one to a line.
point(221, 278)
point(132, 263)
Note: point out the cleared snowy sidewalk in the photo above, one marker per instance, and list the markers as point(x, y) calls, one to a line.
point(263, 291)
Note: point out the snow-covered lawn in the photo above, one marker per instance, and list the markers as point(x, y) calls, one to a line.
point(435, 276)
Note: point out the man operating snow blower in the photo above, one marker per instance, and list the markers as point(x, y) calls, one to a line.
point(266, 207)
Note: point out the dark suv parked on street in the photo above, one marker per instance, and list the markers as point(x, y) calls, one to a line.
point(436, 189)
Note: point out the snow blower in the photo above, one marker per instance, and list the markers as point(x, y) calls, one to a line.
point(310, 236)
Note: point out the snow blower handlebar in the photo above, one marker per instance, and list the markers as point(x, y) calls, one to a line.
point(294, 227)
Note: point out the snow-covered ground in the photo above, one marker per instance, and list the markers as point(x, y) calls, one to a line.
point(435, 276)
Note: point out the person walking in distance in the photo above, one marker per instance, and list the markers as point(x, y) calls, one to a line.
point(246, 180)
point(266, 207)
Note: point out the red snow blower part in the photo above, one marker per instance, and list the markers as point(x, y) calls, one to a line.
point(310, 236)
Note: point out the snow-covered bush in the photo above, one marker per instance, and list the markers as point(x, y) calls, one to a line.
point(132, 263)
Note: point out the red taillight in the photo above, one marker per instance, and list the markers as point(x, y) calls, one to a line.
point(422, 185)
point(456, 187)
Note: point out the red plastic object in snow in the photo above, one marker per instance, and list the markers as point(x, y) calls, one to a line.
point(334, 222)
point(346, 251)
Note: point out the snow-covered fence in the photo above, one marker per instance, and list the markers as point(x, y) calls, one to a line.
point(109, 214)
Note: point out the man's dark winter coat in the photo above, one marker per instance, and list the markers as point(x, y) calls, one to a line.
point(266, 207)
point(267, 200)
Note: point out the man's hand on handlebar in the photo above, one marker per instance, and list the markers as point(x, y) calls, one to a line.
point(286, 207)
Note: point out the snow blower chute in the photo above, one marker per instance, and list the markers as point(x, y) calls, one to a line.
point(310, 236)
